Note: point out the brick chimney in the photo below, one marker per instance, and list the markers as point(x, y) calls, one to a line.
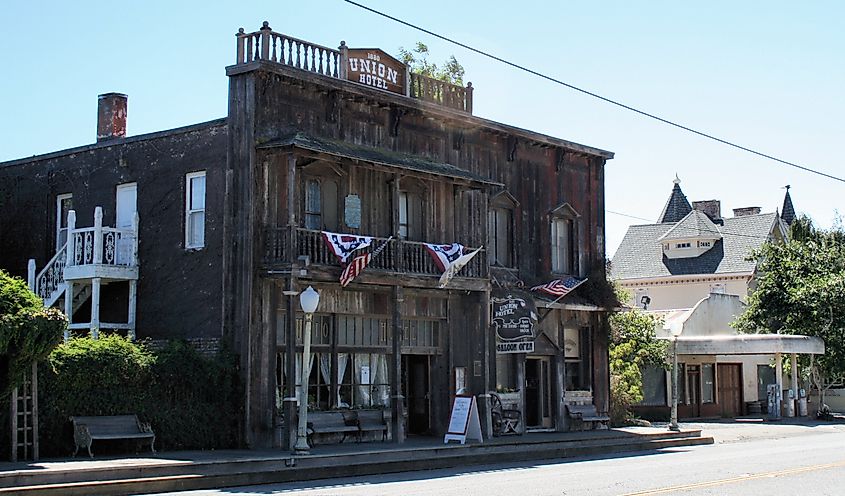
point(712, 208)
point(111, 116)
point(742, 212)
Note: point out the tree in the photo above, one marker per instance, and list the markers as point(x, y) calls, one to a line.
point(28, 331)
point(801, 290)
point(417, 60)
point(633, 345)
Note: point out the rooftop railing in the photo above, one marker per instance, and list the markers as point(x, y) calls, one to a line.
point(266, 44)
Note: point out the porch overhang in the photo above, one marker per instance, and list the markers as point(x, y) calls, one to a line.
point(379, 156)
point(749, 344)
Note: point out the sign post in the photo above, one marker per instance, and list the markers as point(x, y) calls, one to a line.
point(464, 423)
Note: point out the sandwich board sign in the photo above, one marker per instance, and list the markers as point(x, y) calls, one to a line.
point(464, 423)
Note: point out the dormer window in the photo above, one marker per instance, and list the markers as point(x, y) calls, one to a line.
point(682, 245)
point(704, 244)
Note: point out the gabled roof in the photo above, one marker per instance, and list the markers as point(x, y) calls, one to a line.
point(696, 224)
point(677, 206)
point(640, 256)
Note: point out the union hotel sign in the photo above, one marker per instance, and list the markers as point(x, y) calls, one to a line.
point(373, 67)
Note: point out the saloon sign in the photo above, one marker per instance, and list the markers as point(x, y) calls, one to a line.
point(514, 317)
point(375, 68)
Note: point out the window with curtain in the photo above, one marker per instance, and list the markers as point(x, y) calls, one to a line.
point(577, 359)
point(564, 253)
point(410, 216)
point(364, 383)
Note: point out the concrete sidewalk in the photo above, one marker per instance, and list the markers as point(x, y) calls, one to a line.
point(175, 471)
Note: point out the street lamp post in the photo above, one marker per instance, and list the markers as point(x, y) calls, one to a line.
point(676, 330)
point(308, 300)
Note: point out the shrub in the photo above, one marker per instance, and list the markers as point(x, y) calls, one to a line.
point(190, 400)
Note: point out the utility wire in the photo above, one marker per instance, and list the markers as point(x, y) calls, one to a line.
point(595, 95)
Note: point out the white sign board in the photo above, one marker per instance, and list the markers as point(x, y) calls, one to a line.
point(464, 423)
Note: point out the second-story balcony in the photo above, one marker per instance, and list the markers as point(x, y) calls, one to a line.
point(285, 247)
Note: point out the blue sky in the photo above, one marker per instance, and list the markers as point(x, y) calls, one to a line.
point(767, 75)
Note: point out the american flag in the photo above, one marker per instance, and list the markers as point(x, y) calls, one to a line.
point(559, 287)
point(359, 263)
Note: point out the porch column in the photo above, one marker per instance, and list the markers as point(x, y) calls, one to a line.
point(520, 382)
point(793, 362)
point(484, 397)
point(397, 403)
point(95, 307)
point(558, 396)
point(779, 381)
point(133, 298)
point(68, 307)
point(291, 304)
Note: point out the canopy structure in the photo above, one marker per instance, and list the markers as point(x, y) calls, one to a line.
point(749, 344)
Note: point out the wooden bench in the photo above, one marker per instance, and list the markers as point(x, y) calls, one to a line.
point(87, 429)
point(332, 423)
point(373, 421)
point(586, 413)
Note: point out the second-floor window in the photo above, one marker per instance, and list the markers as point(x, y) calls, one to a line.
point(500, 236)
point(195, 210)
point(410, 216)
point(321, 204)
point(564, 248)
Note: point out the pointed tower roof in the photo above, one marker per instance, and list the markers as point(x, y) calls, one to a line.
point(677, 207)
point(787, 212)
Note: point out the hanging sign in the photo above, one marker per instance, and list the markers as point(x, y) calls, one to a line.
point(514, 316)
point(375, 68)
point(464, 423)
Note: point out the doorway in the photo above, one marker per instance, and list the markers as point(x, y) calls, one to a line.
point(538, 393)
point(694, 390)
point(126, 206)
point(416, 383)
point(729, 377)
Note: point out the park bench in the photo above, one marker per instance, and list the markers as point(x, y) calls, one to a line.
point(373, 421)
point(332, 423)
point(87, 429)
point(586, 414)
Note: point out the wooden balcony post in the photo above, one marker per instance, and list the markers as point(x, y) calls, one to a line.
point(265, 40)
point(95, 307)
point(133, 298)
point(469, 98)
point(344, 60)
point(68, 307)
point(71, 239)
point(239, 46)
point(98, 235)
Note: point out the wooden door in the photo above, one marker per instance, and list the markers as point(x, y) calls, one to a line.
point(729, 388)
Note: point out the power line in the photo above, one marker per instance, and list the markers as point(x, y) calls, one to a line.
point(595, 95)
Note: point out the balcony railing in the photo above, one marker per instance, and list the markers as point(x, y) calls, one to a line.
point(400, 256)
point(266, 44)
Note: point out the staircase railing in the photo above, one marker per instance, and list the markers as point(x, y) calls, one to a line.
point(49, 283)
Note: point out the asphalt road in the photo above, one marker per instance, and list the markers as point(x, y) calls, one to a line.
point(746, 459)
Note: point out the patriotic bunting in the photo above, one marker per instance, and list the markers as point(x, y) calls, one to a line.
point(450, 259)
point(359, 263)
point(342, 245)
point(559, 287)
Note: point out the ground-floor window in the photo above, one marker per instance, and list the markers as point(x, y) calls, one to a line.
point(577, 364)
point(505, 374)
point(708, 383)
point(363, 380)
point(654, 386)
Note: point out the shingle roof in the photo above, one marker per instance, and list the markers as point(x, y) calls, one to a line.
point(696, 224)
point(677, 206)
point(640, 254)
